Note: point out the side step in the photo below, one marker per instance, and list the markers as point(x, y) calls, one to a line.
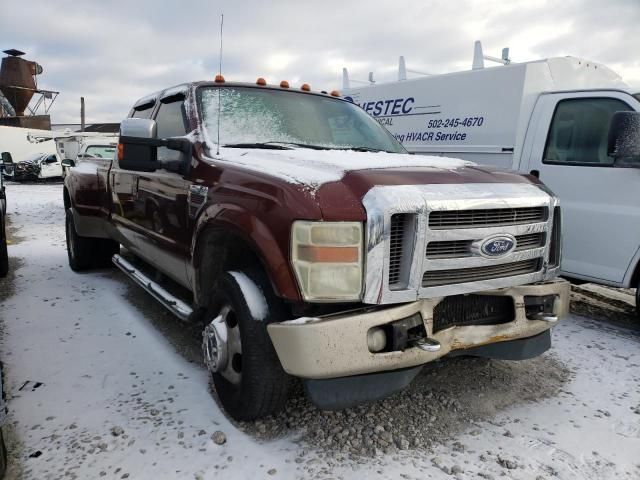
point(171, 303)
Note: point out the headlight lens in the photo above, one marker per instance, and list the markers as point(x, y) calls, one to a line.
point(327, 260)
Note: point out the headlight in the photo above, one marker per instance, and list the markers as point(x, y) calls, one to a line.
point(327, 260)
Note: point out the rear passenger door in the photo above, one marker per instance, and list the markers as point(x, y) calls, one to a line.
point(601, 213)
point(161, 198)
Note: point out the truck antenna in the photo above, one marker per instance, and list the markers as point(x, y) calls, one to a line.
point(219, 73)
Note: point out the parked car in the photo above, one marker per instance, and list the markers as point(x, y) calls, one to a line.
point(4, 257)
point(311, 245)
point(36, 167)
point(569, 121)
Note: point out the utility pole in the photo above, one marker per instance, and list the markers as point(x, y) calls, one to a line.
point(82, 114)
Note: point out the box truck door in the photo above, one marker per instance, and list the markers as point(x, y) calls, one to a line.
point(601, 213)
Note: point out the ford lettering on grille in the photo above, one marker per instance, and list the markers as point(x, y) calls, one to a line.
point(497, 246)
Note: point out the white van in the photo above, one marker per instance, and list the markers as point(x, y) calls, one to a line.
point(550, 118)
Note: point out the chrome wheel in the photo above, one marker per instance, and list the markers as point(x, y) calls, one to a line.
point(222, 347)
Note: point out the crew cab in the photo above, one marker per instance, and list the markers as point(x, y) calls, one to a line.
point(309, 244)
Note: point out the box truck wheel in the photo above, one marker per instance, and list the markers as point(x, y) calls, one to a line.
point(238, 352)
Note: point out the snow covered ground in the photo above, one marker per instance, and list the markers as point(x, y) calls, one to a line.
point(102, 382)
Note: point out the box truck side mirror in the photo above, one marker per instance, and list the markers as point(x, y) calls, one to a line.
point(624, 138)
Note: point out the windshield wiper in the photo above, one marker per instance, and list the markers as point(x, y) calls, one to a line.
point(365, 149)
point(269, 145)
point(277, 145)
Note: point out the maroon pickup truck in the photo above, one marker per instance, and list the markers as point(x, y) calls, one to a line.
point(309, 244)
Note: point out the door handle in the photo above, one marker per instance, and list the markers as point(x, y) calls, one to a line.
point(535, 173)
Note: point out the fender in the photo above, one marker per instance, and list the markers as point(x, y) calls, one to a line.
point(256, 233)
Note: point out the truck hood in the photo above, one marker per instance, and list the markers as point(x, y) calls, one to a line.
point(337, 180)
point(314, 168)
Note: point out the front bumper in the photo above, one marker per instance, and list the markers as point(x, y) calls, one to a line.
point(336, 346)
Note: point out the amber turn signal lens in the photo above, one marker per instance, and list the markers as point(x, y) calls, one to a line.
point(309, 253)
point(284, 84)
point(261, 81)
point(335, 93)
point(305, 87)
point(219, 79)
point(120, 151)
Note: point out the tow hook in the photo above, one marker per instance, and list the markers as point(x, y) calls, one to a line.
point(427, 344)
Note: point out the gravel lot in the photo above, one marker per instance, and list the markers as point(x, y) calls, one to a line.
point(123, 394)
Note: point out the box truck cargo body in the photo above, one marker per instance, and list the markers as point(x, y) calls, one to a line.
point(550, 118)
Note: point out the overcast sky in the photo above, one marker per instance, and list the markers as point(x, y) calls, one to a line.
point(113, 52)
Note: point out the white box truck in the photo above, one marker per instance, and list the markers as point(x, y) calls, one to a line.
point(554, 118)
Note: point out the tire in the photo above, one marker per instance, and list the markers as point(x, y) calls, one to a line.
point(3, 455)
point(87, 252)
point(638, 301)
point(4, 257)
point(263, 386)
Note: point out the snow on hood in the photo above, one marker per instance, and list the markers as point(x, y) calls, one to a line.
point(316, 167)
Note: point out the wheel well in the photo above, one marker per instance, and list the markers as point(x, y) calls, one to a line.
point(66, 198)
point(218, 250)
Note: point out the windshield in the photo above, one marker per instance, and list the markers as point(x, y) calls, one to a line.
point(254, 116)
point(100, 151)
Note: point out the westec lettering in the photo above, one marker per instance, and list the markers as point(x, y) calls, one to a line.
point(394, 106)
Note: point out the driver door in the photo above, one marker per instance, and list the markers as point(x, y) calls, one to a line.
point(599, 200)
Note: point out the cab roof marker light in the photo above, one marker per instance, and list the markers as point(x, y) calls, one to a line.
point(261, 81)
point(335, 93)
point(219, 79)
point(284, 84)
point(305, 87)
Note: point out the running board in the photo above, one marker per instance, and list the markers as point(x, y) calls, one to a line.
point(176, 306)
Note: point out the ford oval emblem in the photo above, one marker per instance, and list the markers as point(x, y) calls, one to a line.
point(498, 246)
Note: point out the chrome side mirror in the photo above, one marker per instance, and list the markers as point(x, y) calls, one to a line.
point(138, 128)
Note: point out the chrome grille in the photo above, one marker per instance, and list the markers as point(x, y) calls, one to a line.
point(433, 278)
point(529, 241)
point(462, 248)
point(448, 219)
point(396, 247)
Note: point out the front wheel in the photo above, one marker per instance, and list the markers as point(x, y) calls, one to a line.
point(238, 352)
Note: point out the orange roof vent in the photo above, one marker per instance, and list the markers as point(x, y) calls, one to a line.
point(261, 81)
point(219, 79)
point(335, 93)
point(305, 87)
point(284, 84)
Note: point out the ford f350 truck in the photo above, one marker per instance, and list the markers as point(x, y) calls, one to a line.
point(311, 245)
point(570, 121)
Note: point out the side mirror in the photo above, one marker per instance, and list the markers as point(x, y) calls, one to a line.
point(624, 138)
point(136, 150)
point(6, 157)
point(67, 162)
point(138, 147)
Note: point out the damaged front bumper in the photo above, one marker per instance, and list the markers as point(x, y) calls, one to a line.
point(340, 345)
